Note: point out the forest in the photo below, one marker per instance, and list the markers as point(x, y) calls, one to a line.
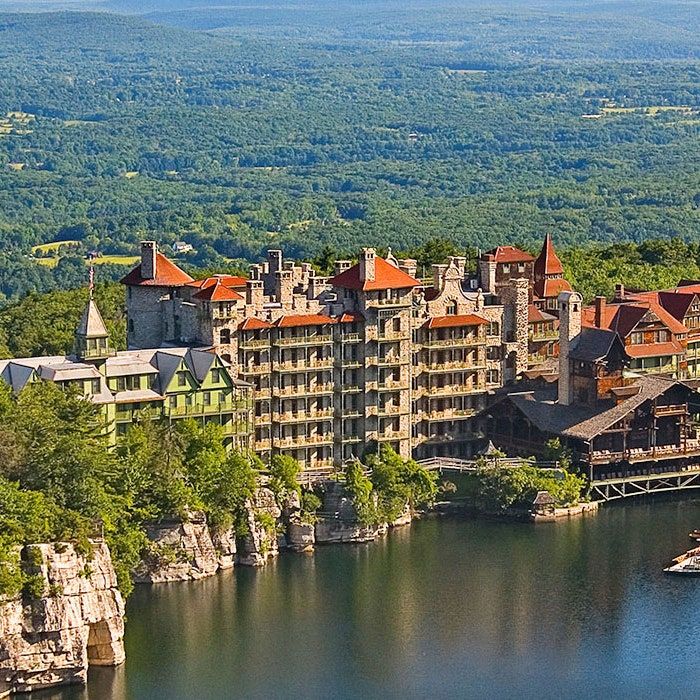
point(341, 125)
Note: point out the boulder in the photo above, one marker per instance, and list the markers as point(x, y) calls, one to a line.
point(77, 622)
point(301, 536)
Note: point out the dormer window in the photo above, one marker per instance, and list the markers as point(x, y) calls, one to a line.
point(452, 308)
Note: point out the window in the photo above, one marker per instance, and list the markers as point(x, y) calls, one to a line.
point(492, 376)
point(173, 402)
point(663, 336)
point(397, 324)
point(506, 269)
point(181, 379)
point(207, 398)
point(493, 329)
point(452, 308)
point(215, 376)
point(95, 389)
point(521, 267)
point(225, 336)
point(637, 338)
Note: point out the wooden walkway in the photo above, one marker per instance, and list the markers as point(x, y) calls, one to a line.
point(643, 484)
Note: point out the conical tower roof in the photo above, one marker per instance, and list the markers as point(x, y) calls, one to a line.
point(91, 323)
point(548, 262)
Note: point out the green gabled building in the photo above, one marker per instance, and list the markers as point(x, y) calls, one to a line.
point(175, 383)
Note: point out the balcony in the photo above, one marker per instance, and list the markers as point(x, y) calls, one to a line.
point(634, 455)
point(306, 340)
point(389, 410)
point(462, 365)
point(262, 393)
point(392, 360)
point(261, 368)
point(454, 342)
point(303, 416)
point(249, 344)
point(393, 435)
point(304, 440)
point(393, 386)
point(304, 365)
point(263, 444)
point(449, 414)
point(392, 335)
point(262, 418)
point(303, 390)
point(671, 410)
point(454, 389)
point(349, 337)
point(546, 335)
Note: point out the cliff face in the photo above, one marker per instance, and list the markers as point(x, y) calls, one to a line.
point(185, 550)
point(260, 544)
point(78, 621)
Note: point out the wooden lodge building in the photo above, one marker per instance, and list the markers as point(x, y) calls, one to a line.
point(613, 422)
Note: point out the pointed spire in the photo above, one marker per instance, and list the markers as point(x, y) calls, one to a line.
point(91, 336)
point(548, 263)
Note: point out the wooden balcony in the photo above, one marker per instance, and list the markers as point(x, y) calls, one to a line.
point(244, 344)
point(320, 339)
point(303, 416)
point(636, 455)
point(671, 410)
point(261, 368)
point(304, 440)
point(304, 365)
point(303, 390)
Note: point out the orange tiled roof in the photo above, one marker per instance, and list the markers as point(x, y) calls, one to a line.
point(454, 321)
point(351, 318)
point(624, 317)
point(217, 292)
point(509, 254)
point(535, 315)
point(547, 289)
point(386, 276)
point(654, 349)
point(295, 320)
point(230, 281)
point(168, 274)
point(253, 324)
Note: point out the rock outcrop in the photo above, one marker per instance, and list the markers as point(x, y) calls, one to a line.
point(76, 622)
point(185, 550)
point(260, 542)
point(340, 523)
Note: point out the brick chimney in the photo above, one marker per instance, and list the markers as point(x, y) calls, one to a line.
point(439, 276)
point(599, 311)
point(570, 304)
point(367, 265)
point(619, 292)
point(255, 297)
point(285, 288)
point(409, 266)
point(148, 260)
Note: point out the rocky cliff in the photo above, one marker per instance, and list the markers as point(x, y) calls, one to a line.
point(77, 621)
point(260, 542)
point(185, 550)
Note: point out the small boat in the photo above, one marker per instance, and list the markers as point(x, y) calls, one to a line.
point(689, 566)
point(694, 535)
point(686, 564)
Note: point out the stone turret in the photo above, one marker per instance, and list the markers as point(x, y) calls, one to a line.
point(570, 305)
point(487, 274)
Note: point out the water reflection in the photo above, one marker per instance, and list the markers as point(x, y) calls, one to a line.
point(444, 609)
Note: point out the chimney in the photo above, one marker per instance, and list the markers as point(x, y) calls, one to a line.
point(285, 288)
point(487, 274)
point(569, 328)
point(255, 272)
point(274, 261)
point(254, 295)
point(599, 311)
point(619, 292)
point(341, 266)
point(148, 260)
point(439, 277)
point(367, 264)
point(409, 266)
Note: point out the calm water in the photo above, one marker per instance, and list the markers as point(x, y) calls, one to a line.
point(443, 609)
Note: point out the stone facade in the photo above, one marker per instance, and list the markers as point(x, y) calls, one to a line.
point(79, 621)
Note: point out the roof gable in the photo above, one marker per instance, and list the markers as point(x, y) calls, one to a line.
point(509, 254)
point(168, 274)
point(386, 276)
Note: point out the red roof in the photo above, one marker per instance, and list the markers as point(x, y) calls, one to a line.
point(168, 274)
point(230, 281)
point(386, 276)
point(351, 318)
point(455, 321)
point(548, 262)
point(654, 349)
point(253, 324)
point(293, 321)
point(623, 318)
point(509, 254)
point(217, 292)
point(548, 289)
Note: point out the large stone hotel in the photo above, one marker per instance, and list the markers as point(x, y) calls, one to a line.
point(370, 356)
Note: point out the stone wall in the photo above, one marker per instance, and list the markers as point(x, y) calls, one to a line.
point(79, 621)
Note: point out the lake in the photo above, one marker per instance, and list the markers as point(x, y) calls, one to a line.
point(443, 609)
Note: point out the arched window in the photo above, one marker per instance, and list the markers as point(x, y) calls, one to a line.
point(452, 308)
point(225, 336)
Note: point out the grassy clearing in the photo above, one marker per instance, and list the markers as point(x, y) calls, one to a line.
point(115, 260)
point(651, 110)
point(46, 262)
point(55, 245)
